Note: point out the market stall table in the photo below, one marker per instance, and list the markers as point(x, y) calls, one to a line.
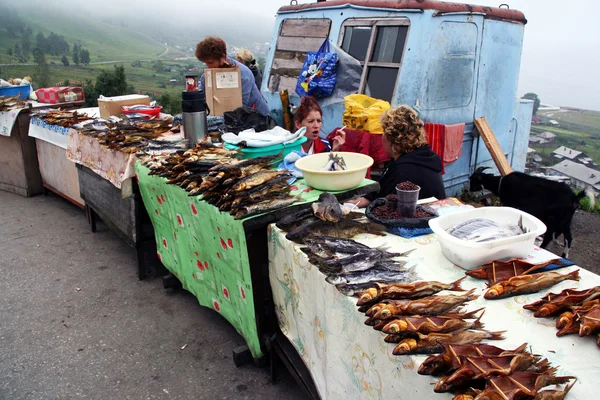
point(222, 261)
point(348, 359)
point(19, 171)
point(59, 175)
point(109, 192)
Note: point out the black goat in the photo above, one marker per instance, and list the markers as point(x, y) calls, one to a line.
point(554, 203)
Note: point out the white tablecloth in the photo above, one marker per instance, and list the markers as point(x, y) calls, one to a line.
point(350, 360)
point(7, 121)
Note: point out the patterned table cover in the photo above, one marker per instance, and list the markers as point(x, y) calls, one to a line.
point(7, 121)
point(350, 360)
point(206, 249)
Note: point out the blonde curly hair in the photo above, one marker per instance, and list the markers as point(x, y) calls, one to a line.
point(404, 129)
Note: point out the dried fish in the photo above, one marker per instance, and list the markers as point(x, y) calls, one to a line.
point(553, 304)
point(432, 305)
point(408, 291)
point(431, 324)
point(590, 321)
point(497, 271)
point(528, 284)
point(433, 342)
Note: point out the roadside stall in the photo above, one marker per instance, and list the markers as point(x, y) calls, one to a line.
point(343, 350)
point(20, 173)
point(51, 134)
point(219, 257)
point(105, 168)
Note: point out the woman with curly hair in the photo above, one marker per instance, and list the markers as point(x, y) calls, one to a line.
point(405, 141)
point(212, 51)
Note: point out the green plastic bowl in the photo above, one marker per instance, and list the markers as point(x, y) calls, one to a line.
point(253, 152)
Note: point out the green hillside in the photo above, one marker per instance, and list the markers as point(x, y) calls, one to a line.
point(106, 40)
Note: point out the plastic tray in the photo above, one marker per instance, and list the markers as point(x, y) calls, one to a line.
point(253, 152)
point(23, 90)
point(470, 255)
point(401, 223)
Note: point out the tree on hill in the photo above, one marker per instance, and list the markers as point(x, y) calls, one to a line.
point(108, 83)
point(84, 56)
point(536, 101)
point(171, 103)
point(40, 41)
point(76, 53)
point(158, 66)
point(42, 70)
point(65, 61)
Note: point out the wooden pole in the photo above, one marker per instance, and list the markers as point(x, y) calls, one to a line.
point(484, 129)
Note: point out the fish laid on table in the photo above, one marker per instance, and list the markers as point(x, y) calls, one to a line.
point(434, 342)
point(526, 284)
point(352, 283)
point(497, 271)
point(345, 228)
point(256, 179)
point(452, 357)
point(431, 324)
point(525, 385)
point(589, 321)
point(552, 304)
point(431, 305)
point(265, 206)
point(479, 368)
point(408, 291)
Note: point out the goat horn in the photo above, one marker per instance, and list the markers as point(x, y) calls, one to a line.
point(480, 170)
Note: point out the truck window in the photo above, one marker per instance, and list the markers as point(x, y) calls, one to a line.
point(297, 36)
point(378, 45)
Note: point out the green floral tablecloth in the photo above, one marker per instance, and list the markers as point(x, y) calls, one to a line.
point(206, 249)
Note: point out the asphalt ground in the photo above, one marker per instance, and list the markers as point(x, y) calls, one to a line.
point(76, 323)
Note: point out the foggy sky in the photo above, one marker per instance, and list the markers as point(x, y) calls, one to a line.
point(560, 61)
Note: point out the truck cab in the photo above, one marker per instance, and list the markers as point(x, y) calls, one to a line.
point(454, 62)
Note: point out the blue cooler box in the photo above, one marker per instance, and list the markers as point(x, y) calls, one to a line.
point(23, 91)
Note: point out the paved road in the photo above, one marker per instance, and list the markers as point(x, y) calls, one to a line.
point(76, 323)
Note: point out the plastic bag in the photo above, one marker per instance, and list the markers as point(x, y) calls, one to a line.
point(363, 113)
point(243, 118)
point(318, 76)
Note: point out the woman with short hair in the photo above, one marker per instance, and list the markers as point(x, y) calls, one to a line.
point(212, 51)
point(405, 142)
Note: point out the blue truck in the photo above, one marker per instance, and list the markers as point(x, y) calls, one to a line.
point(456, 62)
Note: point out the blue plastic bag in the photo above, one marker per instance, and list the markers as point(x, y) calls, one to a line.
point(317, 77)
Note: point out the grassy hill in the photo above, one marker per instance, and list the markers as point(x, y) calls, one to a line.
point(106, 39)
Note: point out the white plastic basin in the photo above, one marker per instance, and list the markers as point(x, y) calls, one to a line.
point(312, 165)
point(471, 255)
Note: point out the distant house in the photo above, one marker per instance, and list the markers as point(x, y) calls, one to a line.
point(173, 81)
point(581, 176)
point(537, 140)
point(565, 152)
point(549, 136)
point(553, 122)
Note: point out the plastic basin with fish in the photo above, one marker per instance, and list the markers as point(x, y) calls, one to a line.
point(22, 91)
point(471, 255)
point(311, 167)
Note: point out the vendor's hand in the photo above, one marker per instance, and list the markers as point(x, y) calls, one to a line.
point(338, 140)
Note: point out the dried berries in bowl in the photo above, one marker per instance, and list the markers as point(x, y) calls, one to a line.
point(407, 186)
point(386, 212)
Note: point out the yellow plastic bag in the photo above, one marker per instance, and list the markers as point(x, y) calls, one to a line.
point(363, 113)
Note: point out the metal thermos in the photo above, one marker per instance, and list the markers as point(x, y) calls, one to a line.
point(194, 111)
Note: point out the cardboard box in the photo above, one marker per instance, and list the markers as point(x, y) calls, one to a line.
point(223, 87)
point(62, 94)
point(112, 105)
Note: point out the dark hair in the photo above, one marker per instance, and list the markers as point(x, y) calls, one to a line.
point(211, 48)
point(307, 104)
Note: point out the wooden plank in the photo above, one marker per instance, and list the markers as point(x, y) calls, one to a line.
point(58, 173)
point(277, 83)
point(308, 27)
point(296, 62)
point(484, 129)
point(299, 43)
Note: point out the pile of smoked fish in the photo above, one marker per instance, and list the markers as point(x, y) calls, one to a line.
point(517, 277)
point(66, 119)
point(485, 372)
point(241, 187)
point(128, 136)
point(418, 320)
point(8, 103)
point(576, 311)
point(325, 231)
